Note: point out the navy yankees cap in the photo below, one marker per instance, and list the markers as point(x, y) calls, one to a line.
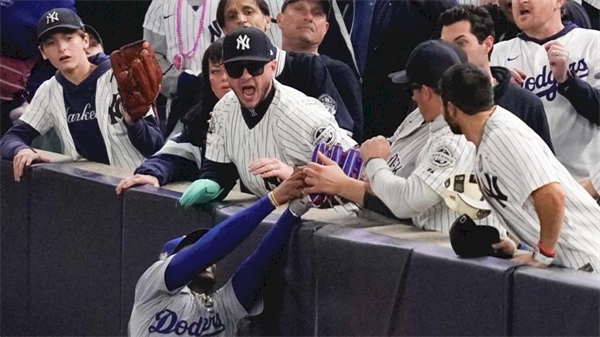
point(57, 18)
point(325, 3)
point(248, 44)
point(470, 240)
point(174, 245)
point(428, 61)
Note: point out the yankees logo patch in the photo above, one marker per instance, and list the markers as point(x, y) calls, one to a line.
point(442, 158)
point(52, 17)
point(323, 134)
point(243, 42)
point(329, 103)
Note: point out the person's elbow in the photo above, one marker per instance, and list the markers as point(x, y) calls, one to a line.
point(553, 195)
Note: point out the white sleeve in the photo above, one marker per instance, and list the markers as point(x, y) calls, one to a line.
point(153, 20)
point(300, 129)
point(37, 114)
point(595, 177)
point(406, 198)
point(215, 139)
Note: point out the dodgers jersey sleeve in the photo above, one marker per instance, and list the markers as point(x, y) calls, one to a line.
point(301, 128)
point(215, 138)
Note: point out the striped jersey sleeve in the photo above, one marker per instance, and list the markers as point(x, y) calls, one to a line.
point(153, 20)
point(37, 113)
point(445, 155)
point(217, 132)
point(303, 126)
point(595, 177)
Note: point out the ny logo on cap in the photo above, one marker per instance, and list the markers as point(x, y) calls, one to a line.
point(243, 42)
point(51, 17)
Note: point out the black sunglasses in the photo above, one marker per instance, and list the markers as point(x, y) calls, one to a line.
point(236, 69)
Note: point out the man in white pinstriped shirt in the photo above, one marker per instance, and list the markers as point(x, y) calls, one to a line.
point(539, 200)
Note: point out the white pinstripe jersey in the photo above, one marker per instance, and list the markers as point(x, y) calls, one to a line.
point(161, 18)
point(47, 110)
point(512, 162)
point(407, 143)
point(595, 177)
point(289, 131)
point(443, 155)
point(576, 141)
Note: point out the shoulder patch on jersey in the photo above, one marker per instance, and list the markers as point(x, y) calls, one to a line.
point(323, 134)
point(442, 157)
point(329, 103)
point(211, 124)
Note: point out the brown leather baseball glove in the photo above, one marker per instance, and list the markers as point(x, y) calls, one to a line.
point(138, 77)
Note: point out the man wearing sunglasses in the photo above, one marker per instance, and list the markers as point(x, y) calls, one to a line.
point(259, 118)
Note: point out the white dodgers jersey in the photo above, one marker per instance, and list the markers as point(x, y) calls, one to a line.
point(289, 131)
point(163, 18)
point(160, 312)
point(575, 139)
point(513, 162)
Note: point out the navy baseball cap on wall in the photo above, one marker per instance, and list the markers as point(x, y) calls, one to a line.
point(325, 3)
point(248, 44)
point(428, 61)
point(57, 18)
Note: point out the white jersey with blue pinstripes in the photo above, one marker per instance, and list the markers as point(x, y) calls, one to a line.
point(289, 131)
point(161, 18)
point(513, 162)
point(47, 110)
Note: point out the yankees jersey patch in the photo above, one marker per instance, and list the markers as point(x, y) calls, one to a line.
point(576, 141)
point(513, 162)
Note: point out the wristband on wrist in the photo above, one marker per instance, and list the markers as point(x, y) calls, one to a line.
point(547, 252)
point(272, 198)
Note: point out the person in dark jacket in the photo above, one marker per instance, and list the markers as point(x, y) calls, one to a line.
point(472, 28)
point(303, 25)
point(396, 28)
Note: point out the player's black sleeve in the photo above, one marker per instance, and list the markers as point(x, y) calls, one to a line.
point(373, 203)
point(224, 174)
point(308, 74)
point(584, 98)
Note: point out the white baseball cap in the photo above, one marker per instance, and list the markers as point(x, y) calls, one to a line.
point(462, 195)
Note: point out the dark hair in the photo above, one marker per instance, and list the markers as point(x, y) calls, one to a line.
point(468, 87)
point(262, 5)
point(479, 17)
point(196, 119)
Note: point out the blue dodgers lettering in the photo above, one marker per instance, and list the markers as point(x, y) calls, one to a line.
point(547, 82)
point(168, 322)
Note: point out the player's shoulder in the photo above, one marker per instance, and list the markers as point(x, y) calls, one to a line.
point(583, 34)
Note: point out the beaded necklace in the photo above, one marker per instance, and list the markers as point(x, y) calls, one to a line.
point(179, 57)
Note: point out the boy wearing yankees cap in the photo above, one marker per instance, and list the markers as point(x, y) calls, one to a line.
point(81, 102)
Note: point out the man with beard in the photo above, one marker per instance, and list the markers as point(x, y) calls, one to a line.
point(472, 29)
point(175, 295)
point(259, 118)
point(409, 175)
point(540, 202)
